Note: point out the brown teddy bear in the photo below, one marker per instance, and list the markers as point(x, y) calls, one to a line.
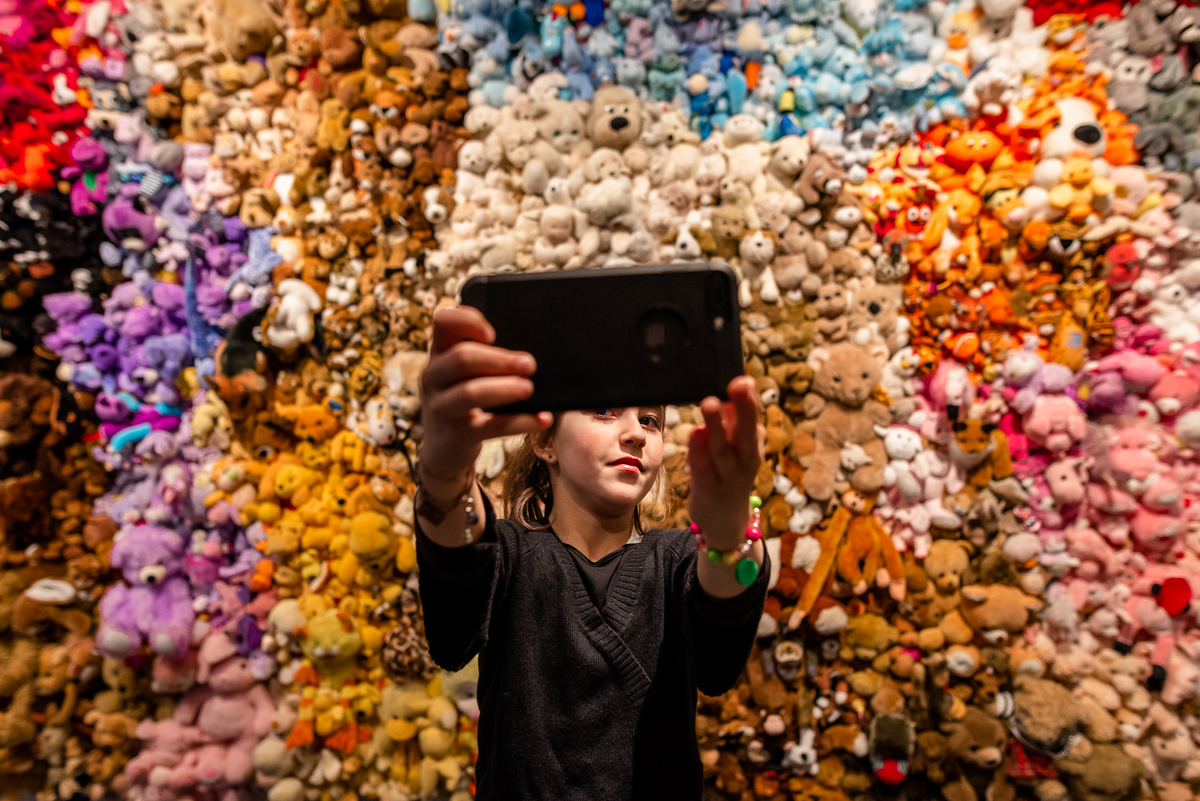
point(728, 227)
point(875, 315)
point(975, 764)
point(997, 610)
point(1048, 721)
point(1109, 774)
point(844, 378)
point(831, 305)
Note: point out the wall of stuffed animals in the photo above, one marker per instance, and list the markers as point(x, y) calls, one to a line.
point(224, 225)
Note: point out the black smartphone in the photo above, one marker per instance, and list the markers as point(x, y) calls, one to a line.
point(617, 336)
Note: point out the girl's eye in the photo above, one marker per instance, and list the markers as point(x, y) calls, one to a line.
point(654, 418)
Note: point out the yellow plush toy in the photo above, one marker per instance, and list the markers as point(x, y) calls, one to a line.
point(332, 643)
point(1076, 196)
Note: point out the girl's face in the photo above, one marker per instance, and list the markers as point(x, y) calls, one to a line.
point(589, 441)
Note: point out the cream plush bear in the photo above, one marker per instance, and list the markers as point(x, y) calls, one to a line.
point(788, 155)
point(556, 247)
point(559, 147)
point(748, 155)
point(510, 142)
point(607, 197)
point(711, 170)
point(683, 159)
point(473, 164)
point(757, 251)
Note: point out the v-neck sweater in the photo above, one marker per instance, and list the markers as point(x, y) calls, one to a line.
point(598, 576)
point(573, 703)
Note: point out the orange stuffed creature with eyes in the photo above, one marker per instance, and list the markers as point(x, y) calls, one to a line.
point(856, 544)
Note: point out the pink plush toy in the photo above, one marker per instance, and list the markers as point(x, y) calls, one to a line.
point(1156, 533)
point(1109, 509)
point(1066, 481)
point(231, 711)
point(1139, 371)
point(950, 388)
point(1099, 562)
point(166, 742)
point(1176, 392)
point(1161, 598)
point(1055, 422)
point(1136, 451)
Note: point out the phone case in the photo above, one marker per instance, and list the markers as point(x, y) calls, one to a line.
point(620, 336)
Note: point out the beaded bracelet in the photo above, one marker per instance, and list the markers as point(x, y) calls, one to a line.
point(747, 568)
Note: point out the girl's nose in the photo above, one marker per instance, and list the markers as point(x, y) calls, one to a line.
point(632, 431)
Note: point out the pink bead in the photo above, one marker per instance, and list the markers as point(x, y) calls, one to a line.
point(695, 528)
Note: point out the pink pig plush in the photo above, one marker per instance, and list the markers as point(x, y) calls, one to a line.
point(232, 712)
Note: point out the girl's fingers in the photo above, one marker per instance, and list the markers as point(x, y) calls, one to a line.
point(699, 458)
point(718, 445)
point(469, 359)
point(453, 325)
point(489, 426)
point(457, 402)
point(745, 423)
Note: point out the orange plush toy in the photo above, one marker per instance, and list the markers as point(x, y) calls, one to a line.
point(857, 544)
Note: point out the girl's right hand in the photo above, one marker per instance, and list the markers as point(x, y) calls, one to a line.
point(466, 373)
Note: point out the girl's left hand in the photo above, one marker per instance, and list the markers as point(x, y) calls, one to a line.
point(724, 455)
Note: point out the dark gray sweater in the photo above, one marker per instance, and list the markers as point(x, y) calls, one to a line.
point(575, 704)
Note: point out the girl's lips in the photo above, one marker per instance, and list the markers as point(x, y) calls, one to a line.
point(629, 467)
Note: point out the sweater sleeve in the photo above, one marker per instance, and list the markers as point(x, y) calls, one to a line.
point(723, 630)
point(458, 589)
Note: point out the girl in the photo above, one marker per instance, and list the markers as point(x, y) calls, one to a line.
point(593, 632)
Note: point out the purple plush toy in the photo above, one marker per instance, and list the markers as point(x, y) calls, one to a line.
point(156, 607)
point(91, 188)
point(129, 227)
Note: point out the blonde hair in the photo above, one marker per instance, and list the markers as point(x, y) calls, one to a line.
point(528, 496)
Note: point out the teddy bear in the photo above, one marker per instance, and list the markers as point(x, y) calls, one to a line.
point(874, 313)
point(155, 607)
point(560, 145)
point(728, 228)
point(556, 246)
point(841, 401)
point(756, 252)
point(787, 159)
point(1108, 774)
point(974, 762)
point(997, 610)
point(831, 304)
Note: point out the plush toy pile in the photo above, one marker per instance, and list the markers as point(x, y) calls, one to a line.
point(967, 241)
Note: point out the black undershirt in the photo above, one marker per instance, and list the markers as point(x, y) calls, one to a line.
point(598, 576)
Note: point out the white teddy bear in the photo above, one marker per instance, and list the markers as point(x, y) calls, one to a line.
point(293, 323)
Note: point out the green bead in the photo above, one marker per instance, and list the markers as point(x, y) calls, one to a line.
point(747, 572)
point(714, 555)
point(755, 501)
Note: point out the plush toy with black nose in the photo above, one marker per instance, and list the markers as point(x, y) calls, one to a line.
point(616, 121)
